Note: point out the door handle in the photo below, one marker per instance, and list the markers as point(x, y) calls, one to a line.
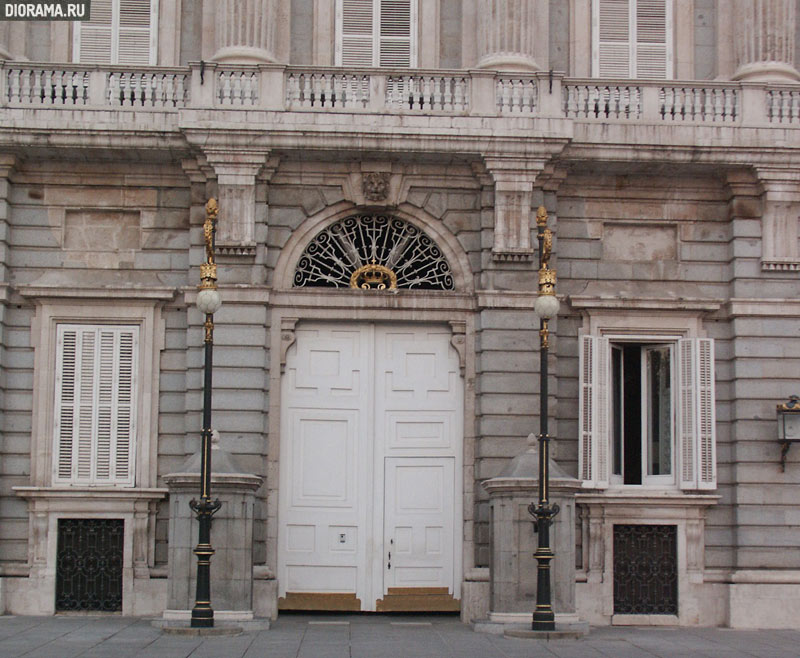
point(389, 565)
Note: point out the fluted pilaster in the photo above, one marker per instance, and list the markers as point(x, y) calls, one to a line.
point(765, 40)
point(506, 35)
point(245, 31)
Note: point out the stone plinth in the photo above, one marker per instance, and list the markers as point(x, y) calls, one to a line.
point(513, 567)
point(231, 538)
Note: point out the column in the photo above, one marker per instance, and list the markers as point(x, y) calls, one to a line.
point(246, 31)
point(764, 40)
point(506, 35)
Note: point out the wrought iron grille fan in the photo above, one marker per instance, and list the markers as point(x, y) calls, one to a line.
point(374, 252)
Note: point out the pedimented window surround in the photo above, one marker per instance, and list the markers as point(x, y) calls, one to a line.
point(144, 313)
point(49, 501)
point(599, 513)
point(633, 505)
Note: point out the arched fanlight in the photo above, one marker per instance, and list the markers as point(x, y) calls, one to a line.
point(373, 252)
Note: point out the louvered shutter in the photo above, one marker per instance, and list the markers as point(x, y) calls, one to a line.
point(593, 411)
point(611, 34)
point(696, 414)
point(95, 404)
point(134, 46)
point(354, 47)
point(632, 38)
point(376, 33)
point(653, 39)
point(94, 37)
point(119, 32)
point(396, 33)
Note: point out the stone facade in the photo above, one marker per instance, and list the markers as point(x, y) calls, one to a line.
point(675, 207)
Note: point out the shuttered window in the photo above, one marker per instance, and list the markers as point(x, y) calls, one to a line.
point(95, 404)
point(376, 33)
point(119, 32)
point(632, 39)
point(646, 413)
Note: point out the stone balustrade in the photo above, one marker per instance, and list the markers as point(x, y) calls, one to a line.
point(472, 93)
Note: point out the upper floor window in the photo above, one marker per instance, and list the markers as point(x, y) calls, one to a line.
point(95, 404)
point(376, 33)
point(646, 411)
point(632, 39)
point(119, 32)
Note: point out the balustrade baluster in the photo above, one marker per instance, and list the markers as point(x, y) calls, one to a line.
point(719, 105)
point(459, 94)
point(28, 85)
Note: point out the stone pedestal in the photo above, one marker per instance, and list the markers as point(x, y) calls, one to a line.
point(513, 567)
point(231, 538)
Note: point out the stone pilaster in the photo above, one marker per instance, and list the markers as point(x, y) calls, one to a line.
point(507, 35)
point(236, 173)
point(513, 193)
point(764, 40)
point(779, 223)
point(246, 31)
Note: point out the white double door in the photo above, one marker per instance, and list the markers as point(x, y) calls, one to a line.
point(370, 463)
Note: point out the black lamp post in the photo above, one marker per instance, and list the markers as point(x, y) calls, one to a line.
point(546, 307)
point(208, 301)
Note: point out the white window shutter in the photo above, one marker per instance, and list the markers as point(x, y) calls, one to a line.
point(706, 416)
point(119, 32)
point(66, 374)
point(125, 407)
point(355, 19)
point(696, 414)
point(611, 36)
point(593, 412)
point(397, 27)
point(632, 38)
point(134, 46)
point(653, 39)
point(95, 405)
point(94, 37)
point(85, 440)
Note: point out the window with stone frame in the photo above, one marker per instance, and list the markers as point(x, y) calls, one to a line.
point(96, 391)
point(376, 33)
point(632, 39)
point(121, 32)
point(646, 412)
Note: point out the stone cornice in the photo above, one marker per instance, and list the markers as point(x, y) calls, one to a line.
point(105, 292)
point(744, 307)
point(645, 303)
point(659, 499)
point(90, 494)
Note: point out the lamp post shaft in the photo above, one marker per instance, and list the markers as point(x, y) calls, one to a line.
point(543, 615)
point(203, 613)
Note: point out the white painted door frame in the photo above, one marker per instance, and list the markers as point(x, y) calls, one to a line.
point(400, 378)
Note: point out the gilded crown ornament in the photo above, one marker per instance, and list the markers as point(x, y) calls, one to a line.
point(373, 277)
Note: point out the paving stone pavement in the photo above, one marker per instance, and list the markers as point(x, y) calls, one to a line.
point(369, 636)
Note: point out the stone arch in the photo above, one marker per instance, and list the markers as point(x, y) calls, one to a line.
point(447, 243)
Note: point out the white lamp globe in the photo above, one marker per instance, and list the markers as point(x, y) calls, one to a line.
point(546, 306)
point(208, 301)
